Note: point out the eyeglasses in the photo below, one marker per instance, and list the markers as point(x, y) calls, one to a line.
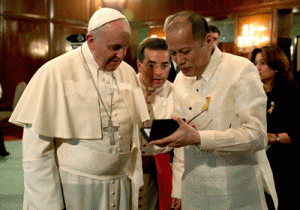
point(154, 66)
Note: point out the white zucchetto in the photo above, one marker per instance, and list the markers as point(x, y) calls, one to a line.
point(103, 16)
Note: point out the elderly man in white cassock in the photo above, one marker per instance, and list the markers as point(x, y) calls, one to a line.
point(80, 114)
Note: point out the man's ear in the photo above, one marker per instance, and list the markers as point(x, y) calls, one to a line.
point(90, 39)
point(139, 66)
point(209, 39)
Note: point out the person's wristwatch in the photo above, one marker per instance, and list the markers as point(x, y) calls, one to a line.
point(277, 138)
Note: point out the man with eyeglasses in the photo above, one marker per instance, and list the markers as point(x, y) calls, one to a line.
point(154, 67)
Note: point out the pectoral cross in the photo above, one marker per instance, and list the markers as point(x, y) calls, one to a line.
point(111, 129)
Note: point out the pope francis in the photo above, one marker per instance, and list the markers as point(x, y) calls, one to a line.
point(80, 114)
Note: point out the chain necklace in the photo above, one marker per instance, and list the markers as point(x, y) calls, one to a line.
point(110, 128)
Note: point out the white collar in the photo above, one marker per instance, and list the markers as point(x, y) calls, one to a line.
point(213, 64)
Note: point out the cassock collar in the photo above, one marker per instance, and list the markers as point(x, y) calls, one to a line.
point(213, 64)
point(90, 61)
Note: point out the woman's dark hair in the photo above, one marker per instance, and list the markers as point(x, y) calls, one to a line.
point(277, 60)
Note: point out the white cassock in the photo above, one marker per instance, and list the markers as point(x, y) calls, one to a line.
point(229, 170)
point(68, 159)
point(160, 104)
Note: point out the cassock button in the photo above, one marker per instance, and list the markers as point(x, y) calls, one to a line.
point(197, 90)
point(113, 205)
point(143, 152)
point(190, 108)
point(144, 145)
point(149, 102)
point(120, 149)
point(113, 193)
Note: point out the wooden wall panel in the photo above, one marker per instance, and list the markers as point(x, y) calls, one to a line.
point(217, 9)
point(258, 6)
point(36, 7)
point(75, 10)
point(95, 4)
point(33, 31)
point(131, 55)
point(61, 32)
point(154, 10)
point(25, 49)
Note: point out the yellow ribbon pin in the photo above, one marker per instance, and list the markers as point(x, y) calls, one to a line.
point(205, 107)
point(272, 107)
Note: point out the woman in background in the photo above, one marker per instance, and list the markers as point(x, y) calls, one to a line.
point(283, 121)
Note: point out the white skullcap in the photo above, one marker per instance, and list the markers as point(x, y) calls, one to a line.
point(103, 16)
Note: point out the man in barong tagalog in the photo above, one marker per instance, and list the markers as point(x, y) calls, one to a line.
point(81, 114)
point(225, 161)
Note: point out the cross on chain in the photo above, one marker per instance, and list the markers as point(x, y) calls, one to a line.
point(111, 129)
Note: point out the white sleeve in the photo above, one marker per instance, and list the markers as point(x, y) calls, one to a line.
point(177, 169)
point(41, 175)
